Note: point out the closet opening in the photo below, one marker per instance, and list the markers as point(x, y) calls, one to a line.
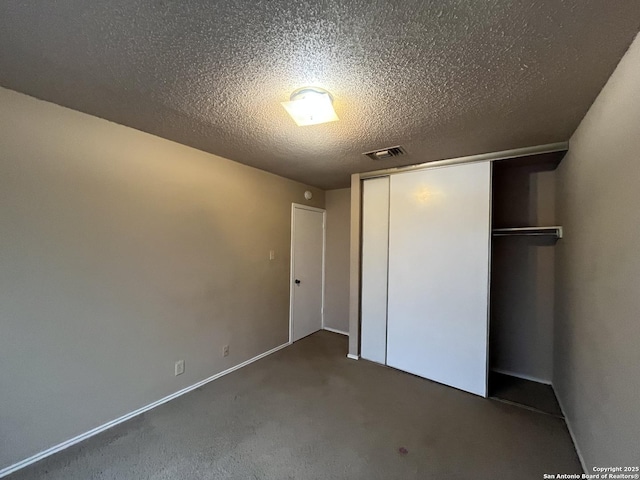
point(525, 233)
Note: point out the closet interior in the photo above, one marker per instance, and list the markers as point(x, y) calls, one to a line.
point(525, 232)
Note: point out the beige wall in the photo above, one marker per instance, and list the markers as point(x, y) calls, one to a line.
point(597, 350)
point(336, 305)
point(121, 253)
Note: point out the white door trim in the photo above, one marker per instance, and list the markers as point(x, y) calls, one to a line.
point(292, 265)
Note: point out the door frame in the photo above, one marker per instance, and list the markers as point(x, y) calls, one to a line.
point(292, 262)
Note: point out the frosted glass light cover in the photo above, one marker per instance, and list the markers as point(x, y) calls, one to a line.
point(311, 108)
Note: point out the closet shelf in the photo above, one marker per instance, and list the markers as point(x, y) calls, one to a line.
point(555, 232)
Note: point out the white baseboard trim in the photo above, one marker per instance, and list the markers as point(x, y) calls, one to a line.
point(61, 446)
point(521, 375)
point(353, 357)
point(571, 434)
point(335, 330)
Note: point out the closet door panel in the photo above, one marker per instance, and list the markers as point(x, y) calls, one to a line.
point(375, 247)
point(439, 238)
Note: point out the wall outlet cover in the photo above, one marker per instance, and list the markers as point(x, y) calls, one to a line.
point(179, 370)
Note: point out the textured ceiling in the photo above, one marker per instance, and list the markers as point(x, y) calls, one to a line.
point(443, 78)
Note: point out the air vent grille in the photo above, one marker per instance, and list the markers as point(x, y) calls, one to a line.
point(385, 153)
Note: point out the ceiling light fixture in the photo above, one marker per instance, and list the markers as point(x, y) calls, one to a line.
point(310, 106)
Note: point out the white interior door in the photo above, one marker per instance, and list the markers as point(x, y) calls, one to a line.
point(439, 274)
point(375, 248)
point(307, 270)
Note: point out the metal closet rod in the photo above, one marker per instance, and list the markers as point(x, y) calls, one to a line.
point(554, 231)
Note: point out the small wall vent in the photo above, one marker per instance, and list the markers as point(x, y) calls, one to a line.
point(385, 153)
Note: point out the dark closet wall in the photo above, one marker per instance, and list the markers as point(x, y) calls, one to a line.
point(522, 277)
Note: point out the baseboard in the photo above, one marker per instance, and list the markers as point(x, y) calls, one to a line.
point(61, 446)
point(571, 434)
point(335, 330)
point(353, 357)
point(521, 375)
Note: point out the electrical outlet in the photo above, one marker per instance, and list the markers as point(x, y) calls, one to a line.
point(179, 367)
point(272, 254)
point(225, 351)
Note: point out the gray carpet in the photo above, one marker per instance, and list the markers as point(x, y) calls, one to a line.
point(307, 412)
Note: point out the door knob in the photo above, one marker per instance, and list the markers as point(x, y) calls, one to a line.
point(297, 282)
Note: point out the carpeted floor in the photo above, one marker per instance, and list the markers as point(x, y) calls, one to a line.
point(307, 412)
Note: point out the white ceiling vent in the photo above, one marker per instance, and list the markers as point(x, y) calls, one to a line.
point(385, 153)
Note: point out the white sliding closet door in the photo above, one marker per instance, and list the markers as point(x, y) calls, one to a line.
point(375, 248)
point(439, 236)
